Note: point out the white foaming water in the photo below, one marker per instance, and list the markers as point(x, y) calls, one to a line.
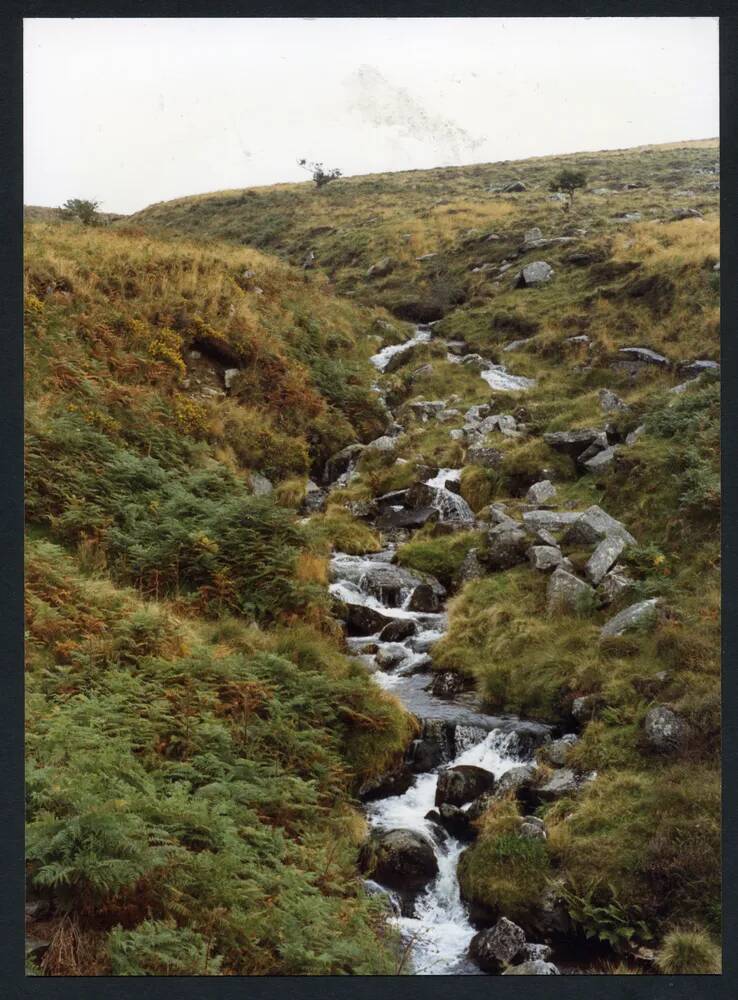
point(381, 359)
point(439, 932)
point(499, 378)
point(444, 476)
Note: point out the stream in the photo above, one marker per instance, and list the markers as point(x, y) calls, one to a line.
point(436, 926)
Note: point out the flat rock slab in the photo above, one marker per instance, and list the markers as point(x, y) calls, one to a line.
point(603, 557)
point(637, 615)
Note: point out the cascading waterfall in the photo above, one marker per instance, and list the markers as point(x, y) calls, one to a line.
point(438, 931)
point(450, 505)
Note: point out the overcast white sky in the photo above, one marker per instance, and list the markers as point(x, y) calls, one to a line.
point(133, 111)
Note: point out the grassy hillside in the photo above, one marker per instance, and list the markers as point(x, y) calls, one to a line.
point(179, 630)
point(355, 222)
point(195, 733)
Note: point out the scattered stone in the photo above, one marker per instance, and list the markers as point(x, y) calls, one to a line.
point(627, 217)
point(562, 782)
point(664, 730)
point(507, 546)
point(447, 684)
point(536, 521)
point(427, 256)
point(556, 751)
point(644, 356)
point(471, 568)
point(534, 274)
point(614, 583)
point(585, 707)
point(475, 361)
point(611, 402)
point(544, 537)
point(640, 614)
point(695, 368)
point(603, 557)
point(36, 948)
point(395, 782)
point(496, 947)
point(463, 783)
point(533, 968)
point(594, 524)
point(399, 859)
point(515, 345)
point(515, 778)
point(230, 375)
point(363, 620)
point(540, 492)
point(340, 463)
point(383, 443)
point(532, 831)
point(397, 630)
point(512, 186)
point(505, 423)
point(566, 591)
point(544, 557)
point(685, 213)
point(535, 953)
point(315, 497)
point(487, 458)
point(424, 598)
point(407, 519)
point(260, 485)
point(601, 460)
point(572, 443)
point(382, 268)
point(363, 509)
point(634, 435)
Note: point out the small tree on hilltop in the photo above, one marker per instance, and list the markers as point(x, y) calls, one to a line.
point(82, 209)
point(568, 181)
point(320, 176)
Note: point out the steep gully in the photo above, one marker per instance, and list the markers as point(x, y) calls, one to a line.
point(435, 924)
